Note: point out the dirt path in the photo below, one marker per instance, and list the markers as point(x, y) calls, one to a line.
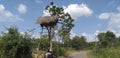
point(81, 54)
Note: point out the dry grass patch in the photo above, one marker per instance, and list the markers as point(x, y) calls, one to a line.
point(38, 54)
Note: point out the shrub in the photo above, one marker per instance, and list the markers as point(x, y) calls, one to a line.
point(59, 51)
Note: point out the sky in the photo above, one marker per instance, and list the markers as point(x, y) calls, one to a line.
point(90, 16)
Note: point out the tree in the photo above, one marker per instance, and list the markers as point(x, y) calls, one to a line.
point(15, 45)
point(118, 41)
point(79, 42)
point(65, 23)
point(102, 40)
point(107, 39)
point(65, 20)
point(110, 36)
point(44, 43)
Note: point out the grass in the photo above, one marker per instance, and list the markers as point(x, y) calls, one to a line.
point(69, 51)
point(106, 53)
point(40, 54)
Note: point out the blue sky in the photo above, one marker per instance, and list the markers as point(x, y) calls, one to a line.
point(91, 16)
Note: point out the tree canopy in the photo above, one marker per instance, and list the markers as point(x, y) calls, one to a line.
point(64, 19)
point(15, 45)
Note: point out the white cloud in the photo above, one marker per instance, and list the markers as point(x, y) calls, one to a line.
point(7, 16)
point(104, 15)
point(2, 8)
point(75, 10)
point(22, 33)
point(33, 35)
point(113, 20)
point(117, 34)
point(97, 32)
point(38, 1)
point(90, 37)
point(93, 37)
point(46, 13)
point(72, 34)
point(78, 10)
point(22, 8)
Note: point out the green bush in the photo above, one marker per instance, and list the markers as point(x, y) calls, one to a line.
point(59, 51)
point(15, 45)
point(107, 53)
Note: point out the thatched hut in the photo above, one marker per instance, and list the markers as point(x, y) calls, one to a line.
point(49, 22)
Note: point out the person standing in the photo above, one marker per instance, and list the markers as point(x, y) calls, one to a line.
point(48, 54)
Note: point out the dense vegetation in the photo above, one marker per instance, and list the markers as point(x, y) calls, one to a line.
point(13, 44)
point(107, 53)
point(107, 47)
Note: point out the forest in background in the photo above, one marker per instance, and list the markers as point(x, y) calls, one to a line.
point(13, 44)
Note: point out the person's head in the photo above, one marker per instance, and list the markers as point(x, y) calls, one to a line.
point(48, 50)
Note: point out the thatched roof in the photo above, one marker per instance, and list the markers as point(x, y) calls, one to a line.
point(46, 19)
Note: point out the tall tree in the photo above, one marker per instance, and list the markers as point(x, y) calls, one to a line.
point(65, 20)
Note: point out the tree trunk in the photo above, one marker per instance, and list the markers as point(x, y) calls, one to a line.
point(50, 44)
point(51, 36)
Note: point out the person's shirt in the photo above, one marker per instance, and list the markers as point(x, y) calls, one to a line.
point(48, 55)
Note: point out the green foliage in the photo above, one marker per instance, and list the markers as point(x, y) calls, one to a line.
point(91, 45)
point(108, 46)
point(107, 53)
point(63, 18)
point(79, 42)
point(107, 39)
point(110, 36)
point(15, 45)
point(118, 41)
point(43, 42)
point(61, 51)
